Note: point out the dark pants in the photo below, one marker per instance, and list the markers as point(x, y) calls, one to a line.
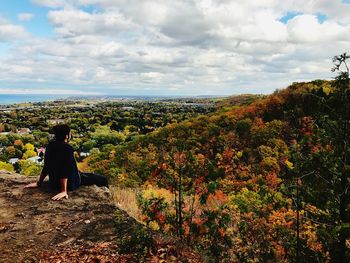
point(91, 179)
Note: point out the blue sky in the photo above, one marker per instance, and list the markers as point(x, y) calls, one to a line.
point(151, 47)
point(290, 15)
point(287, 17)
point(38, 25)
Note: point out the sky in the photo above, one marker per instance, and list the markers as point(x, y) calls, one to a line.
point(167, 47)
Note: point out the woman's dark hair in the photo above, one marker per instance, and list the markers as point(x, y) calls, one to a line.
point(61, 131)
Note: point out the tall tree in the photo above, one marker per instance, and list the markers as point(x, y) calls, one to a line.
point(341, 117)
point(322, 159)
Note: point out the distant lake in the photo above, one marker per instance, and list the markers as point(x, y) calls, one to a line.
point(21, 98)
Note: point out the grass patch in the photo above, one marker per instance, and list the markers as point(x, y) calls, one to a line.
point(126, 199)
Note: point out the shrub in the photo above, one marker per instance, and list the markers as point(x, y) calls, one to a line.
point(29, 168)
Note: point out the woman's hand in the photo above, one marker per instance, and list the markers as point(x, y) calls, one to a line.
point(60, 196)
point(31, 185)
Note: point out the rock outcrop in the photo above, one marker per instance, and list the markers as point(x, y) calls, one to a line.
point(32, 225)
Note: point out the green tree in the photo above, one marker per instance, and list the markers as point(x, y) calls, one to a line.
point(4, 141)
point(88, 145)
point(104, 135)
point(340, 116)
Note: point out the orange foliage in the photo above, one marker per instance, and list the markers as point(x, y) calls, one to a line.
point(18, 143)
point(216, 200)
point(272, 180)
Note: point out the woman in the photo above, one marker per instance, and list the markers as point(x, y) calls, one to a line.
point(60, 165)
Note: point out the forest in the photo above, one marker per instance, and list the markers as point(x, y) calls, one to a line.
point(245, 179)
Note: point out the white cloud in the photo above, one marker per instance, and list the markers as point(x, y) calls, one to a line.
point(21, 69)
point(25, 16)
point(71, 22)
point(51, 3)
point(306, 28)
point(9, 32)
point(109, 49)
point(184, 46)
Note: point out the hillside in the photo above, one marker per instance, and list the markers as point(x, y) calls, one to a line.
point(254, 182)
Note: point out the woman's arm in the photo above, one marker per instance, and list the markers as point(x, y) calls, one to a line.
point(38, 183)
point(63, 193)
point(41, 178)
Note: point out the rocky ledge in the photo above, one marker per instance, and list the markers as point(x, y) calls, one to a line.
point(34, 228)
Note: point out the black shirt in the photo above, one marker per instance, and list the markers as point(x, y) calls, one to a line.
point(59, 163)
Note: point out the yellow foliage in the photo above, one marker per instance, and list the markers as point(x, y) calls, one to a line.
point(289, 164)
point(153, 225)
point(29, 147)
point(327, 88)
point(29, 154)
point(218, 157)
point(6, 166)
point(153, 192)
